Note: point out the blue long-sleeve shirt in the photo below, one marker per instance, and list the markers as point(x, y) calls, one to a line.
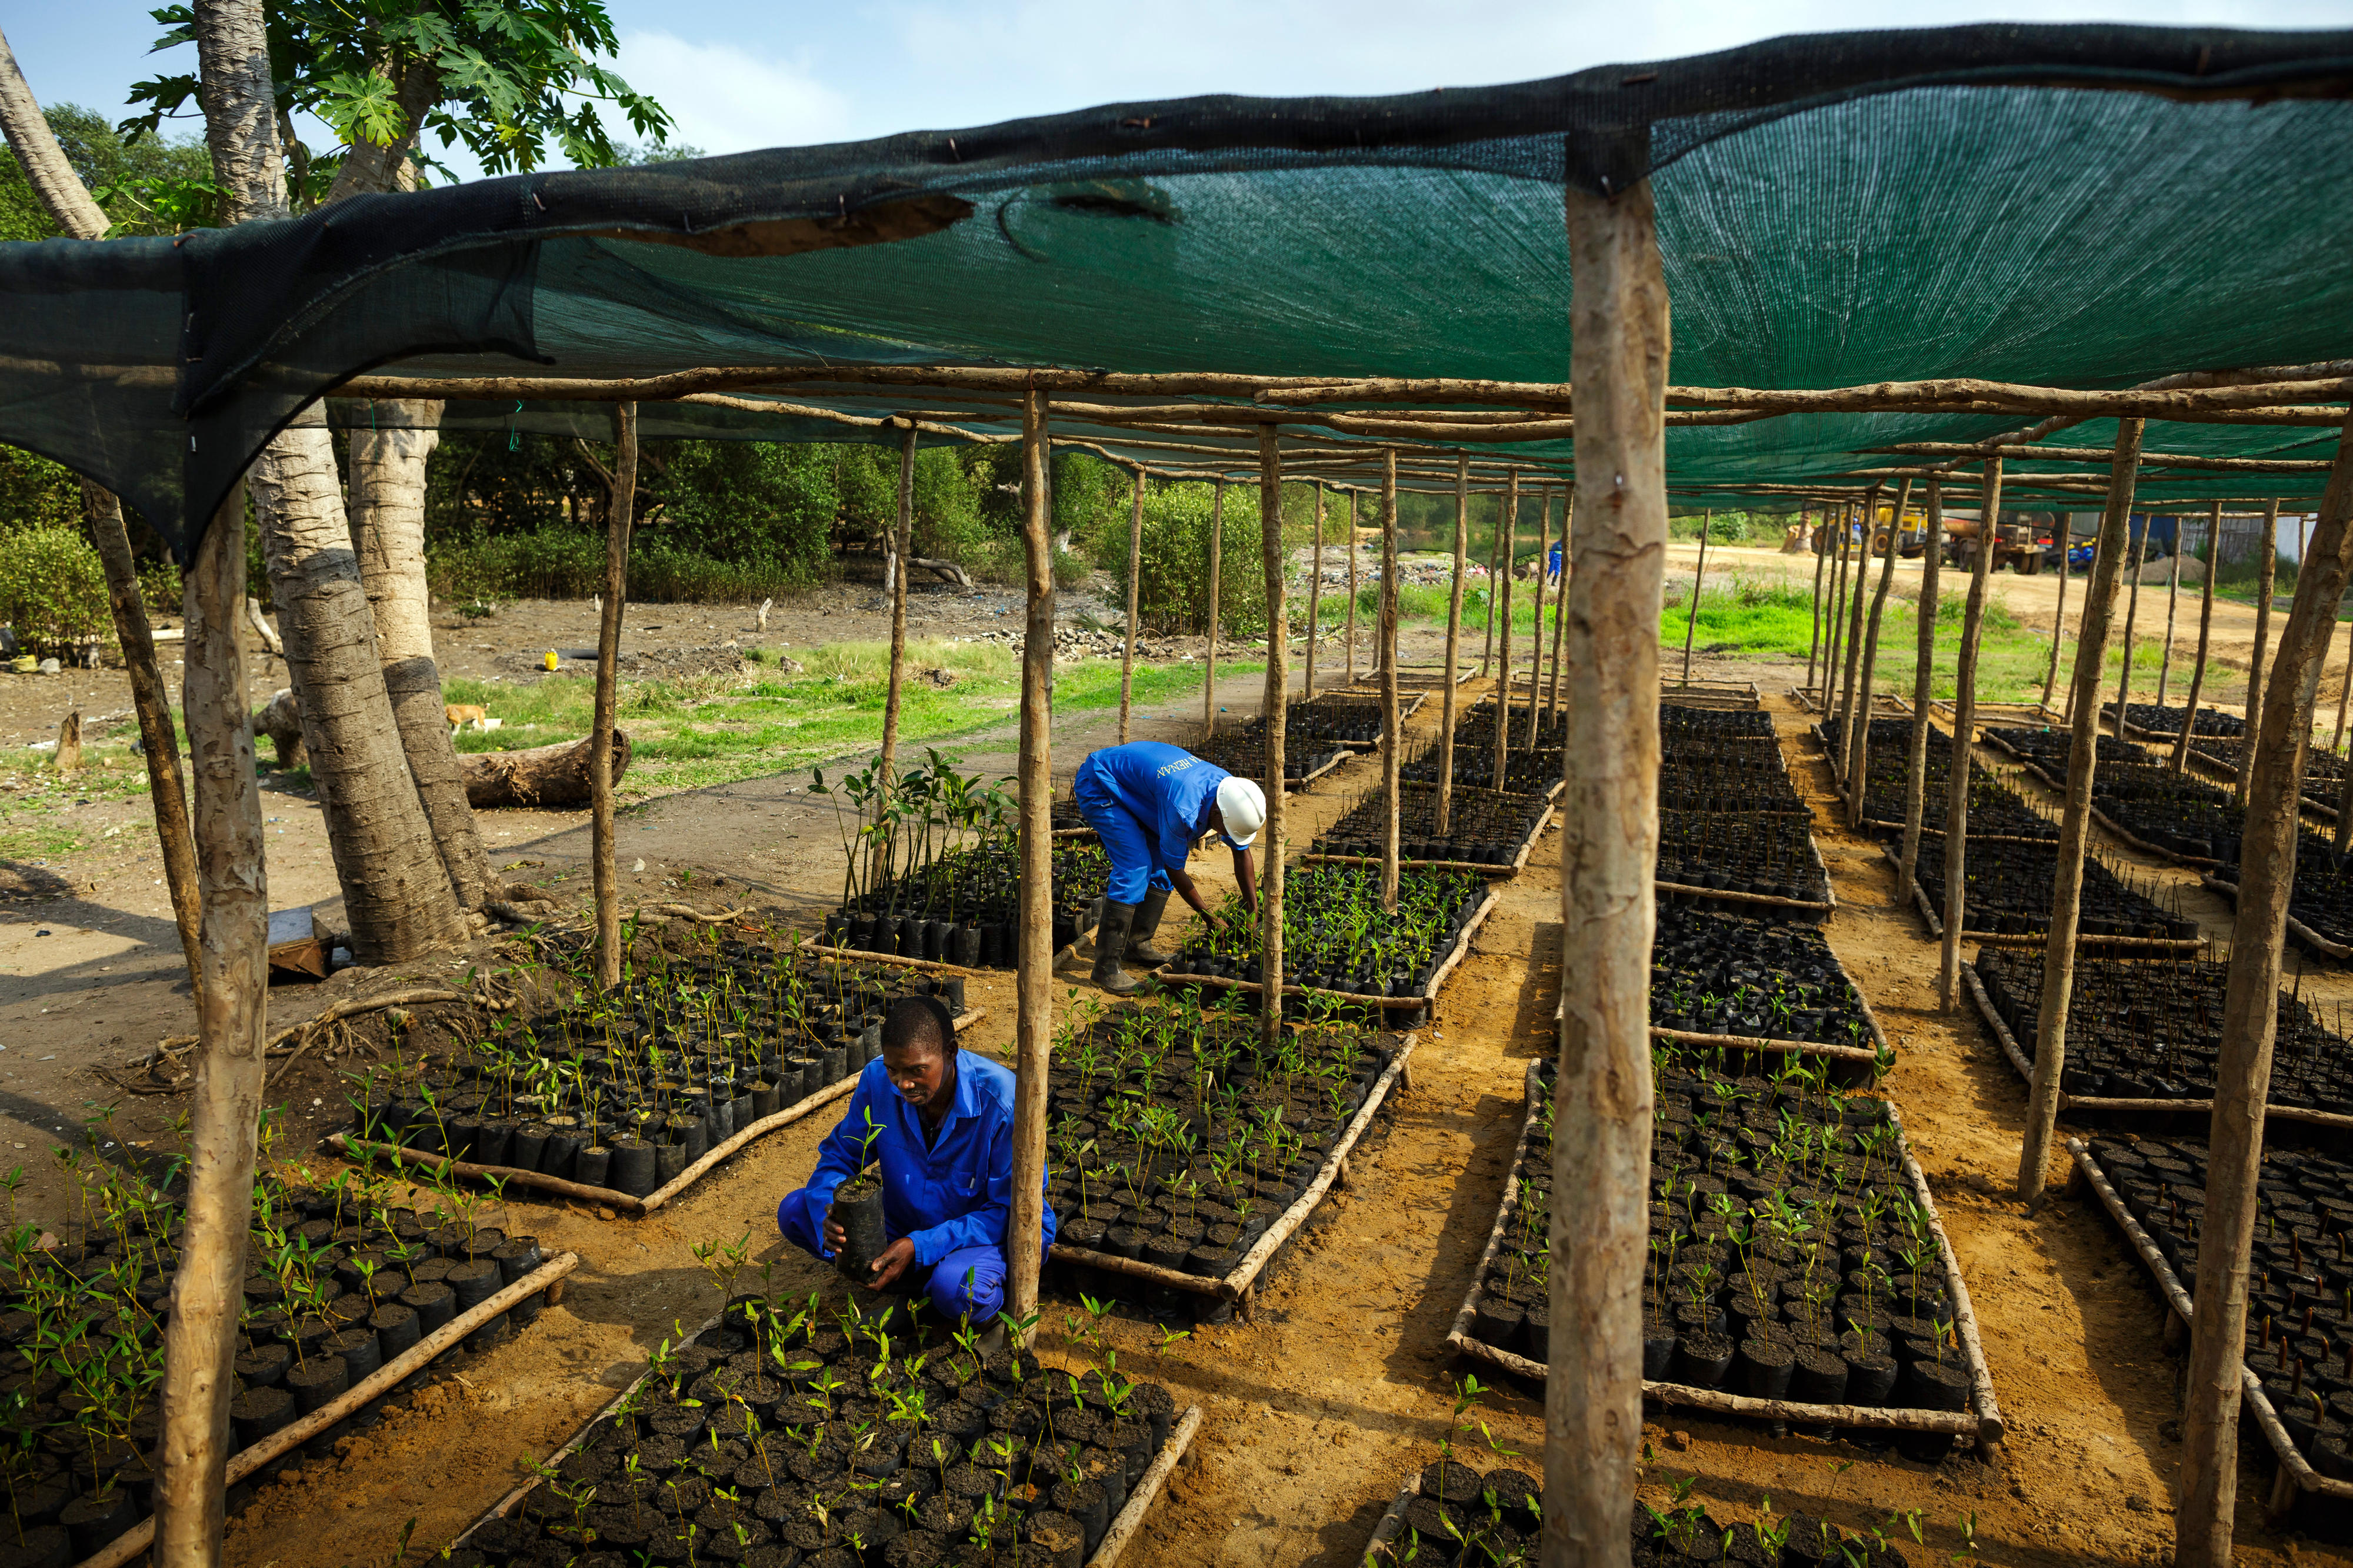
point(1168, 789)
point(955, 1194)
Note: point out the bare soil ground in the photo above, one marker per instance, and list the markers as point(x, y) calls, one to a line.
point(1313, 1410)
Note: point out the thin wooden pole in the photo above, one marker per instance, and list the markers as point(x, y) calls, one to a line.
point(2207, 1489)
point(225, 1111)
point(2172, 608)
point(902, 542)
point(2135, 557)
point(1535, 626)
point(1216, 547)
point(2267, 573)
point(1915, 773)
point(1446, 697)
point(1859, 754)
point(2075, 821)
point(2059, 619)
point(2205, 635)
point(1699, 579)
point(618, 516)
point(1278, 689)
point(1507, 527)
point(1822, 562)
point(1134, 579)
point(1387, 630)
point(1352, 588)
point(1033, 1020)
point(2344, 692)
point(1853, 664)
point(1315, 593)
point(1965, 713)
point(1560, 602)
point(1496, 566)
point(1834, 604)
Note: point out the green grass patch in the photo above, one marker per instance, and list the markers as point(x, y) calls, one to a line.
point(37, 842)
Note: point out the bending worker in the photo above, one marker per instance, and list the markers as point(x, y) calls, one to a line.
point(1149, 802)
point(945, 1153)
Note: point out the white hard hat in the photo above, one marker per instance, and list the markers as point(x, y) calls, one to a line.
point(1243, 805)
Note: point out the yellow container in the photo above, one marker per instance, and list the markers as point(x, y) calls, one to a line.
point(551, 659)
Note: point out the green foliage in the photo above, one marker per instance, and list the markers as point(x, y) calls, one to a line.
point(115, 171)
point(160, 586)
point(559, 564)
point(1173, 577)
point(761, 505)
point(1728, 527)
point(52, 590)
point(36, 492)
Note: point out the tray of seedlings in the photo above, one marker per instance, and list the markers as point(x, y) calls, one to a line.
point(349, 1301)
point(2009, 904)
point(1701, 771)
point(2134, 795)
point(627, 1103)
point(1537, 773)
point(2148, 721)
point(1680, 726)
point(2320, 904)
point(1185, 1153)
point(2324, 772)
point(1488, 833)
point(2143, 1036)
point(1730, 982)
point(1339, 943)
point(1242, 751)
point(795, 1433)
point(1350, 719)
point(1798, 1271)
point(1890, 742)
point(1750, 861)
point(1451, 1512)
point(963, 907)
point(2297, 1382)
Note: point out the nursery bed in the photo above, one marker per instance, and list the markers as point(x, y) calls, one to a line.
point(2324, 772)
point(486, 1543)
point(1510, 866)
point(1742, 946)
point(2295, 1481)
point(2085, 941)
point(2023, 1065)
point(1171, 979)
point(2033, 766)
point(1739, 900)
point(1424, 677)
point(2162, 726)
point(1732, 694)
point(981, 899)
point(406, 1158)
point(2313, 941)
point(1353, 702)
point(1982, 1423)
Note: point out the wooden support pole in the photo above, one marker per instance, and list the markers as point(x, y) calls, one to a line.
point(225, 1111)
point(1446, 696)
point(1209, 669)
point(1965, 714)
point(1033, 1006)
point(903, 534)
point(1834, 633)
point(1314, 593)
point(2344, 692)
point(1134, 578)
point(1391, 742)
point(1560, 602)
point(606, 871)
point(1278, 687)
point(2266, 574)
point(1507, 527)
point(1497, 559)
point(1858, 752)
point(1352, 588)
point(2075, 821)
point(1822, 562)
point(2172, 606)
point(2209, 1485)
point(2059, 619)
point(1915, 768)
point(1609, 828)
point(1854, 663)
point(1535, 625)
point(2135, 555)
point(2205, 636)
point(1699, 580)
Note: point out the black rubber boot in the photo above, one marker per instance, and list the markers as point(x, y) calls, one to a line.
point(1111, 945)
point(1147, 922)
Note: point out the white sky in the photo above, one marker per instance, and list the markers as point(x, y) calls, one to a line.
point(739, 75)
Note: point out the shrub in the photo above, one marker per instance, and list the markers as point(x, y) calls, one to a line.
point(53, 590)
point(160, 587)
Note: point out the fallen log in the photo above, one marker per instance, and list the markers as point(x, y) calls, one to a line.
point(555, 775)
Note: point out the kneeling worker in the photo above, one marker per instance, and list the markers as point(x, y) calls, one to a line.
point(1149, 802)
point(945, 1153)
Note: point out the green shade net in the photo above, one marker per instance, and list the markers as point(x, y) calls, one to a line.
point(2078, 205)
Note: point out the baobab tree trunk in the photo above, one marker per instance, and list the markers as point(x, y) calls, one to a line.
point(1134, 577)
point(1453, 639)
point(1033, 981)
point(2134, 558)
point(397, 892)
point(2075, 821)
point(604, 852)
point(1859, 754)
point(2267, 573)
point(1278, 689)
point(1915, 770)
point(1609, 829)
point(2059, 619)
point(2208, 1488)
point(1387, 632)
point(2172, 606)
point(388, 462)
point(1216, 549)
point(2205, 635)
point(1965, 712)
